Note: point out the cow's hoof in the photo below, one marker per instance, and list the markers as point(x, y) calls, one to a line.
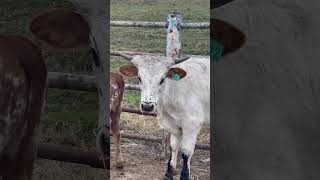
point(184, 178)
point(175, 172)
point(167, 178)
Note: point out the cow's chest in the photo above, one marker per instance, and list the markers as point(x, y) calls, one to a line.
point(169, 121)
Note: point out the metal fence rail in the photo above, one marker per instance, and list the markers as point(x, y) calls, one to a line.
point(133, 53)
point(153, 139)
point(79, 82)
point(72, 155)
point(197, 25)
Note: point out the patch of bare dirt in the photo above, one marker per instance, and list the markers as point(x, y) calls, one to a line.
point(142, 159)
point(143, 162)
point(55, 170)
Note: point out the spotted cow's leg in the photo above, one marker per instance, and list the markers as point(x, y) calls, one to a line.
point(175, 142)
point(22, 167)
point(115, 126)
point(119, 163)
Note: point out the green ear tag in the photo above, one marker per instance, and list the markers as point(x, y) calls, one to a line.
point(176, 77)
point(216, 49)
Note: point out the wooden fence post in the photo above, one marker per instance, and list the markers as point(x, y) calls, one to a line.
point(173, 47)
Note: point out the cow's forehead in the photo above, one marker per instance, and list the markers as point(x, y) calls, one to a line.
point(155, 65)
point(149, 61)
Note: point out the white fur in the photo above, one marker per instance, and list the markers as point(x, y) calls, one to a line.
point(182, 106)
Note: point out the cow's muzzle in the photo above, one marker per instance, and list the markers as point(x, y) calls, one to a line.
point(147, 106)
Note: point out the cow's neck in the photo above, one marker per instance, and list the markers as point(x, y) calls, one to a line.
point(165, 102)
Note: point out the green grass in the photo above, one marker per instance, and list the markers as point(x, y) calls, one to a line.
point(153, 40)
point(14, 14)
point(71, 116)
point(157, 10)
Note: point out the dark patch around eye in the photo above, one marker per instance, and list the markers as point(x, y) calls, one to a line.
point(139, 79)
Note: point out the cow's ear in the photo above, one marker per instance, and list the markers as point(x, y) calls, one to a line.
point(229, 36)
point(128, 70)
point(60, 28)
point(176, 73)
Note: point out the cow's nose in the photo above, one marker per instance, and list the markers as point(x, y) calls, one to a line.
point(147, 106)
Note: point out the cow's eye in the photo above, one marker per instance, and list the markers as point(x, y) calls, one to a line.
point(161, 80)
point(139, 79)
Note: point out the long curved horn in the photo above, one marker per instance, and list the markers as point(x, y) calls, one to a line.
point(126, 56)
point(180, 60)
point(217, 3)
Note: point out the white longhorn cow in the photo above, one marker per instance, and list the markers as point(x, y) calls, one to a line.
point(179, 92)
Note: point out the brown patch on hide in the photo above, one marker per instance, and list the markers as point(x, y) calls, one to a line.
point(178, 71)
point(60, 28)
point(129, 70)
point(229, 36)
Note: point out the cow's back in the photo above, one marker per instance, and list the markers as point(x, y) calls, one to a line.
point(22, 88)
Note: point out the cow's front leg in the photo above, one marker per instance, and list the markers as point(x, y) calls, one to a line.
point(175, 142)
point(164, 144)
point(189, 138)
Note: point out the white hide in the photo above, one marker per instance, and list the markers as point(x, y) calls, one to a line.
point(186, 98)
point(182, 106)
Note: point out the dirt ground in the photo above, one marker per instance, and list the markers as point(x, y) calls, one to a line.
point(142, 159)
point(143, 162)
point(56, 170)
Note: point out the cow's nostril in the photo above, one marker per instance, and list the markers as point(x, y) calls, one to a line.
point(147, 107)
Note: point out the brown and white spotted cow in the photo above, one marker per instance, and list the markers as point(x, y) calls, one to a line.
point(23, 77)
point(63, 28)
point(116, 95)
